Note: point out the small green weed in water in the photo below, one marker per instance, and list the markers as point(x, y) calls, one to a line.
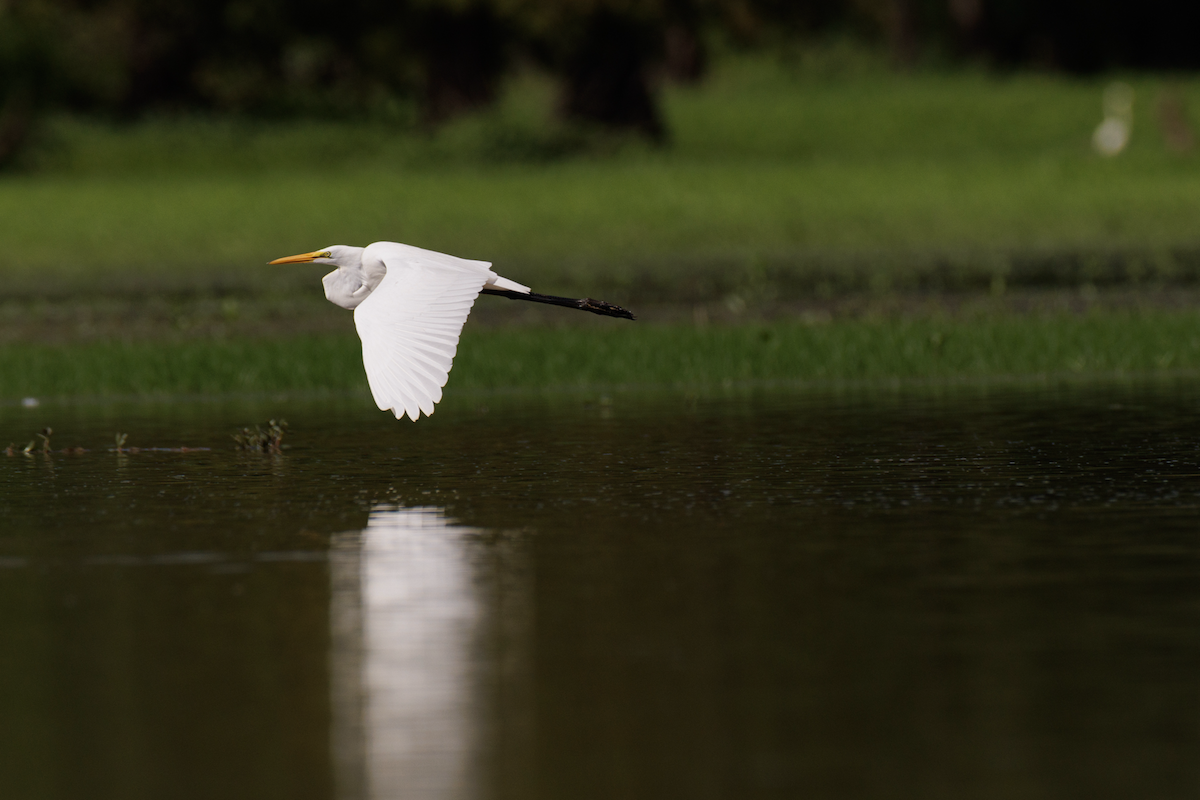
point(120, 439)
point(262, 441)
point(32, 447)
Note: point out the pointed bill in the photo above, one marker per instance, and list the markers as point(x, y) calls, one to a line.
point(303, 258)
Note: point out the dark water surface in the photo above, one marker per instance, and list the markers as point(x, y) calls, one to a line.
point(982, 594)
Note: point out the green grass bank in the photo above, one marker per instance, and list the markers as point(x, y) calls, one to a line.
point(635, 356)
point(781, 180)
point(794, 202)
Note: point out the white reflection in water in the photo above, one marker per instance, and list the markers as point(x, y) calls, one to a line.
point(404, 614)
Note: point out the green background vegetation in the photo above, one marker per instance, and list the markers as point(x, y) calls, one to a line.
point(808, 223)
point(888, 176)
point(648, 357)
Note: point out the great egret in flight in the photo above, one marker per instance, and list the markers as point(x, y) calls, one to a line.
point(409, 308)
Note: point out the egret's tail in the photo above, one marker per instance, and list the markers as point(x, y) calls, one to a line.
point(498, 283)
point(586, 304)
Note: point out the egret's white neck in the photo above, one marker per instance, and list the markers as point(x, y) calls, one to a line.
point(351, 282)
point(345, 256)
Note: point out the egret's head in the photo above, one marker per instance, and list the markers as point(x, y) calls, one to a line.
point(339, 254)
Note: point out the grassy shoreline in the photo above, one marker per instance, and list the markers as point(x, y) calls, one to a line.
point(774, 183)
point(799, 230)
point(676, 356)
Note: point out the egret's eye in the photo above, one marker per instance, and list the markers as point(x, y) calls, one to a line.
point(326, 254)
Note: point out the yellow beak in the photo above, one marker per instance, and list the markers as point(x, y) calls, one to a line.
point(303, 258)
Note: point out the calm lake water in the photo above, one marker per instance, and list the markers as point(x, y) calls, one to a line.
point(985, 594)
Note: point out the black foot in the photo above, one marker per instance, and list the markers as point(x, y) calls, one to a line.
point(607, 309)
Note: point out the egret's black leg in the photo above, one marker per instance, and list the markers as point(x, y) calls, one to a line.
point(586, 304)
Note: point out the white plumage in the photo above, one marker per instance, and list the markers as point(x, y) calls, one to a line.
point(410, 324)
point(409, 308)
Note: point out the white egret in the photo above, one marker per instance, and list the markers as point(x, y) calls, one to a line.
point(1112, 135)
point(409, 308)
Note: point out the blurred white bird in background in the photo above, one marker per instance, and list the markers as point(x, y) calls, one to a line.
point(1112, 134)
point(409, 308)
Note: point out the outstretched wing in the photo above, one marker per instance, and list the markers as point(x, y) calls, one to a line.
point(410, 325)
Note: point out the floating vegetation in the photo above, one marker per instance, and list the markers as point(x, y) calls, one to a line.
point(30, 449)
point(262, 441)
point(120, 439)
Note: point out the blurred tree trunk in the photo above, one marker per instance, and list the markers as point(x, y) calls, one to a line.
point(30, 70)
point(966, 16)
point(607, 75)
point(16, 123)
point(901, 26)
point(464, 56)
point(685, 58)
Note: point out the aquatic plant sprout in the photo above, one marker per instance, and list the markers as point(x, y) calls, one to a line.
point(262, 441)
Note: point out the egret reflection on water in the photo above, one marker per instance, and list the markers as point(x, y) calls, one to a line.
point(410, 306)
point(406, 613)
point(977, 593)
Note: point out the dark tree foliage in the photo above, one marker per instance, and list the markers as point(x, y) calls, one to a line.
point(259, 56)
point(610, 55)
point(323, 57)
point(345, 56)
point(32, 73)
point(1087, 36)
point(605, 66)
point(464, 53)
